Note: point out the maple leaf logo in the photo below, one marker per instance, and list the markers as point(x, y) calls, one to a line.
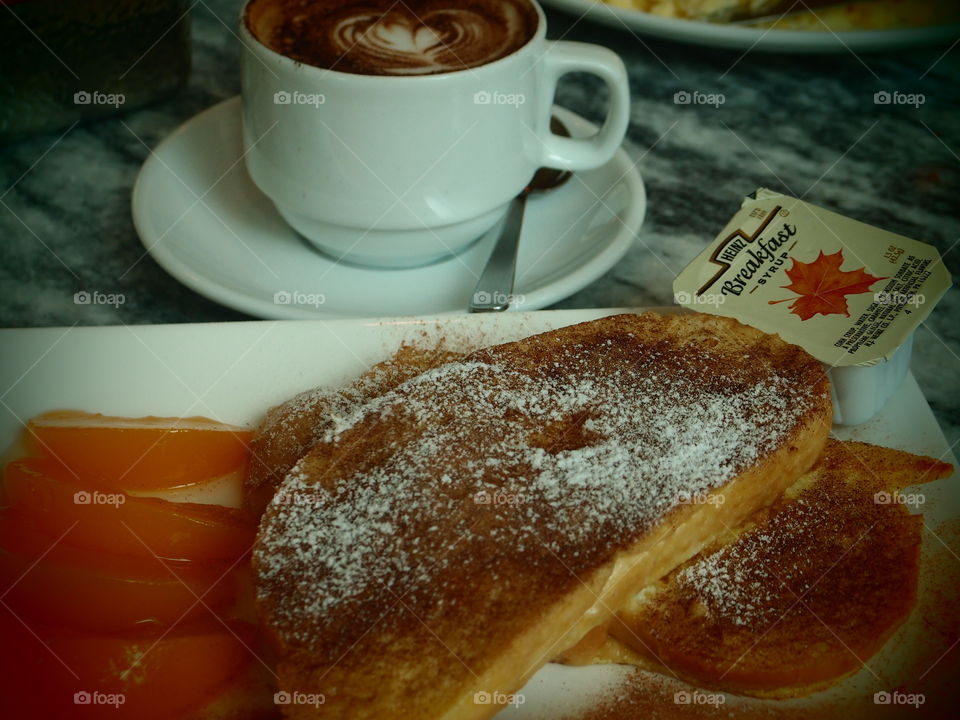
point(823, 287)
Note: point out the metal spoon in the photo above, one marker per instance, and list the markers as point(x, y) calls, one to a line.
point(495, 286)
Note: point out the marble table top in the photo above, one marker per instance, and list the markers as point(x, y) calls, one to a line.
point(806, 125)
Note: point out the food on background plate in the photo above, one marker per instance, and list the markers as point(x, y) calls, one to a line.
point(822, 16)
point(798, 597)
point(696, 9)
point(513, 499)
point(868, 15)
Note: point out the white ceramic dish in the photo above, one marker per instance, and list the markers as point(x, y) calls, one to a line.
point(400, 172)
point(747, 38)
point(861, 391)
point(234, 371)
point(202, 219)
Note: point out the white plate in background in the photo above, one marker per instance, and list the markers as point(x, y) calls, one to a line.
point(737, 37)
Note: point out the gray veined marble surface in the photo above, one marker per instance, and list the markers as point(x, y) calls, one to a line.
point(805, 125)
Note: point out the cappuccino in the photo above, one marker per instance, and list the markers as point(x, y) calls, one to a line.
point(385, 37)
point(395, 135)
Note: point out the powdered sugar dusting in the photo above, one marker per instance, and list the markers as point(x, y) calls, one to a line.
point(292, 428)
point(754, 580)
point(490, 464)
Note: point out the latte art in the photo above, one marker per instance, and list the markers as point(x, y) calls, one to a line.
point(440, 41)
point(389, 38)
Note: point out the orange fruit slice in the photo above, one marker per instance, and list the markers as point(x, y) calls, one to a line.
point(65, 586)
point(138, 453)
point(45, 495)
point(54, 673)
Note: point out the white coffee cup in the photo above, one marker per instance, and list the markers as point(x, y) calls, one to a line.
point(401, 171)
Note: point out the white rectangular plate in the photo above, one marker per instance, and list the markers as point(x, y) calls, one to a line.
point(233, 372)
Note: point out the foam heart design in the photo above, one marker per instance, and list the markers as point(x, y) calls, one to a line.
point(399, 34)
point(441, 40)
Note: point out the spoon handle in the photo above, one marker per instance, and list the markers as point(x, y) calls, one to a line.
point(495, 287)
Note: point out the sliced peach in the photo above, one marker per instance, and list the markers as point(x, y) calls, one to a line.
point(138, 453)
point(48, 672)
point(44, 493)
point(43, 577)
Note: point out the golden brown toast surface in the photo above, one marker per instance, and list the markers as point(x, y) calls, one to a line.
point(799, 597)
point(455, 533)
point(289, 430)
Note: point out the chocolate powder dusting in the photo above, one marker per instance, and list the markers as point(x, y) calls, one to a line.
point(289, 430)
point(854, 563)
point(431, 483)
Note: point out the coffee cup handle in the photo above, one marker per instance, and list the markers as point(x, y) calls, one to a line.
point(564, 153)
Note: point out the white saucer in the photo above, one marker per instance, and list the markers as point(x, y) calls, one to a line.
point(202, 219)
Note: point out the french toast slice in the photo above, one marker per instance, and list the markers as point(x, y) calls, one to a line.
point(454, 534)
point(290, 429)
point(801, 595)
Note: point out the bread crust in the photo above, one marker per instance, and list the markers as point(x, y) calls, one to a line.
point(393, 593)
point(800, 596)
point(292, 428)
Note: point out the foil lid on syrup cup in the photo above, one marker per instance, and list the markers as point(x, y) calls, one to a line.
point(850, 294)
